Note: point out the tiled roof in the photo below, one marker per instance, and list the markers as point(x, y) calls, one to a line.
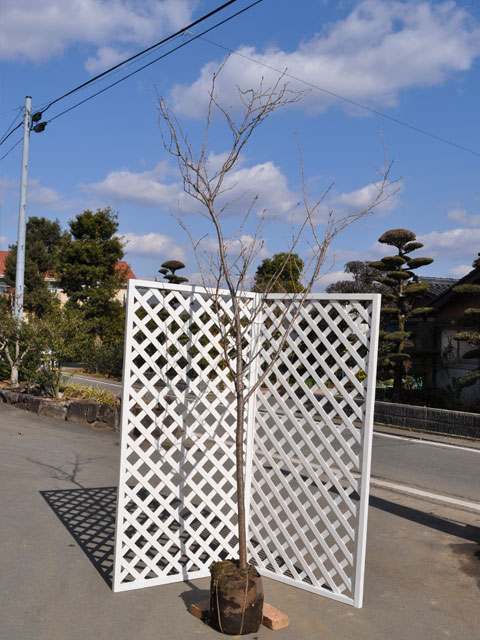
point(121, 266)
point(124, 266)
point(3, 259)
point(438, 285)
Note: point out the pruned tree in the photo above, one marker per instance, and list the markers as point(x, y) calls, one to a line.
point(236, 252)
point(470, 329)
point(363, 281)
point(280, 274)
point(169, 269)
point(395, 273)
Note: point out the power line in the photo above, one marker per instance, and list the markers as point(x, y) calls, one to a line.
point(9, 134)
point(18, 110)
point(180, 46)
point(12, 148)
point(340, 97)
point(167, 39)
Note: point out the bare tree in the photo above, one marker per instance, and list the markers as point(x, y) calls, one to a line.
point(237, 252)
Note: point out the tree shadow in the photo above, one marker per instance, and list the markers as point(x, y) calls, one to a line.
point(89, 517)
point(453, 528)
point(194, 595)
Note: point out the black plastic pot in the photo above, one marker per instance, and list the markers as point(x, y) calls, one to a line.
point(236, 599)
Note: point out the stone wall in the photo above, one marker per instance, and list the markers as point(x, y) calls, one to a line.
point(442, 421)
point(83, 411)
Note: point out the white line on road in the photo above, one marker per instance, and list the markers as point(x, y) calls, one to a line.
point(425, 494)
point(415, 440)
point(98, 380)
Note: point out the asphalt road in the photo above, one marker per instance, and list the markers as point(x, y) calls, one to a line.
point(57, 508)
point(445, 470)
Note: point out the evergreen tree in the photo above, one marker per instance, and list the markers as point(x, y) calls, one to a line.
point(402, 289)
point(279, 274)
point(43, 241)
point(470, 333)
point(364, 279)
point(88, 271)
point(172, 266)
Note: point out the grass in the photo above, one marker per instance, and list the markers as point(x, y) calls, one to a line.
point(103, 396)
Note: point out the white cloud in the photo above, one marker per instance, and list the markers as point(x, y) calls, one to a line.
point(235, 247)
point(105, 58)
point(37, 31)
point(460, 271)
point(453, 244)
point(460, 215)
point(154, 245)
point(329, 277)
point(380, 49)
point(360, 199)
point(263, 187)
point(145, 188)
point(48, 198)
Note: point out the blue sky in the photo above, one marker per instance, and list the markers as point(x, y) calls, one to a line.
point(417, 62)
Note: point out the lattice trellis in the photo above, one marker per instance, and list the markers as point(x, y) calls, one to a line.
point(307, 438)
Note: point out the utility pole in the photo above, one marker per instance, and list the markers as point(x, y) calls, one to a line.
point(22, 214)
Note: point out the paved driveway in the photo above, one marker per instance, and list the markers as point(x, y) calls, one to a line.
point(57, 490)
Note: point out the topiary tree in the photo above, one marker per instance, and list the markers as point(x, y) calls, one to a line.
point(172, 266)
point(470, 324)
point(280, 274)
point(402, 290)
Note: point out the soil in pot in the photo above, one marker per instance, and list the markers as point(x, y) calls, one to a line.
point(236, 599)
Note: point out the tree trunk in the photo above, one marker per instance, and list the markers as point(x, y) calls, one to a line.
point(239, 456)
point(14, 376)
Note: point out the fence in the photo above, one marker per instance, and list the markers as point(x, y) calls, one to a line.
point(308, 436)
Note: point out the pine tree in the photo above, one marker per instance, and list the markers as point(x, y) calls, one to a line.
point(88, 271)
point(470, 325)
point(403, 289)
point(172, 266)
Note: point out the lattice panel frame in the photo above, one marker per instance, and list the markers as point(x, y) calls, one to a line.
point(307, 440)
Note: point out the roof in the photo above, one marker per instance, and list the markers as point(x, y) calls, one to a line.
point(444, 296)
point(123, 266)
point(120, 267)
point(3, 260)
point(438, 285)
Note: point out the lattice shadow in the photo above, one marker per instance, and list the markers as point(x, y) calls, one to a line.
point(89, 516)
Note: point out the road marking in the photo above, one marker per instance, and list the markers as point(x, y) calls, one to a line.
point(415, 440)
point(97, 380)
point(424, 494)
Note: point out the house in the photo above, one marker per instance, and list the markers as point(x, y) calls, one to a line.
point(122, 267)
point(435, 345)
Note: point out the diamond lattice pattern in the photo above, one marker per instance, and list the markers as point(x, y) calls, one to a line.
point(176, 511)
point(304, 511)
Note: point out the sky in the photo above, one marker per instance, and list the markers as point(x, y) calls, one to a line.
point(373, 74)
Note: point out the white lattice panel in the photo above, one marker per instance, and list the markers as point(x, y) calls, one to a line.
point(308, 448)
point(312, 445)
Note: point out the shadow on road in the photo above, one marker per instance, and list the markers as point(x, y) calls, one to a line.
point(89, 516)
point(465, 531)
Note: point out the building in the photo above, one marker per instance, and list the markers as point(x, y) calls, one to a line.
point(121, 267)
point(435, 344)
